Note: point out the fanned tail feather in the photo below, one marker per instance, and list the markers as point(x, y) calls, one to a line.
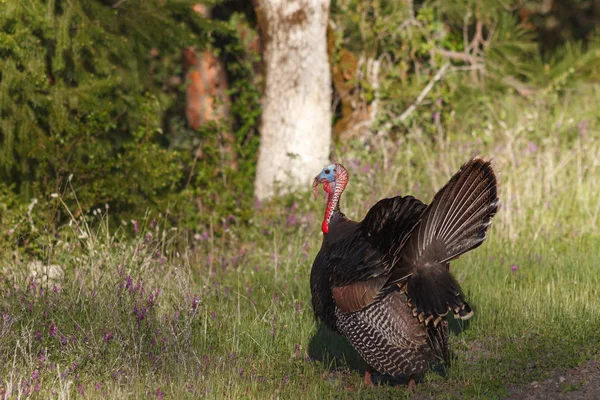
point(455, 222)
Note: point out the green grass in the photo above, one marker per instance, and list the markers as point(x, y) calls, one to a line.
point(227, 315)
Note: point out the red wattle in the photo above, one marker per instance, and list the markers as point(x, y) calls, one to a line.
point(325, 227)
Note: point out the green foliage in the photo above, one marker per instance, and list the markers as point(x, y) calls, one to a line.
point(490, 47)
point(92, 98)
point(76, 99)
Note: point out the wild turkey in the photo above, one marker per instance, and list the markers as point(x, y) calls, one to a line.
point(385, 283)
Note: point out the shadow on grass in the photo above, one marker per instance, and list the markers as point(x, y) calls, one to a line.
point(458, 326)
point(334, 351)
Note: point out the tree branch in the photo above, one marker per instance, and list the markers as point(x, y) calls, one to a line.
point(438, 76)
point(118, 3)
point(456, 55)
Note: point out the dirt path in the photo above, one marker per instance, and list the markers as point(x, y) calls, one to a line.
point(579, 383)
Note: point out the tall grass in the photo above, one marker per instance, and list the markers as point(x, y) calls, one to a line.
point(227, 315)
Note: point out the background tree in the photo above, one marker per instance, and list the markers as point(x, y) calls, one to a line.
point(296, 118)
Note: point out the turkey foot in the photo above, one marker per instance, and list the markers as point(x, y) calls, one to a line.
point(412, 385)
point(367, 379)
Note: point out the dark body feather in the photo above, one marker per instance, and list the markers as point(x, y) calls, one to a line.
point(384, 283)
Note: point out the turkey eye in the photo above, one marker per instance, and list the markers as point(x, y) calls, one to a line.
point(327, 172)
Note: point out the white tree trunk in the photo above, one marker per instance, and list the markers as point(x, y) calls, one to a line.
point(296, 115)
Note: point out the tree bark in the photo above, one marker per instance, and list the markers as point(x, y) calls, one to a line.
point(296, 110)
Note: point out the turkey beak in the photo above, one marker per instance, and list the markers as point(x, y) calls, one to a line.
point(316, 186)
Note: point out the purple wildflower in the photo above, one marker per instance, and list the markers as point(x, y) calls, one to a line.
point(135, 226)
point(108, 336)
point(33, 284)
point(582, 127)
point(52, 331)
point(195, 302)
point(140, 313)
point(153, 297)
point(159, 394)
point(291, 220)
point(514, 268)
point(532, 147)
